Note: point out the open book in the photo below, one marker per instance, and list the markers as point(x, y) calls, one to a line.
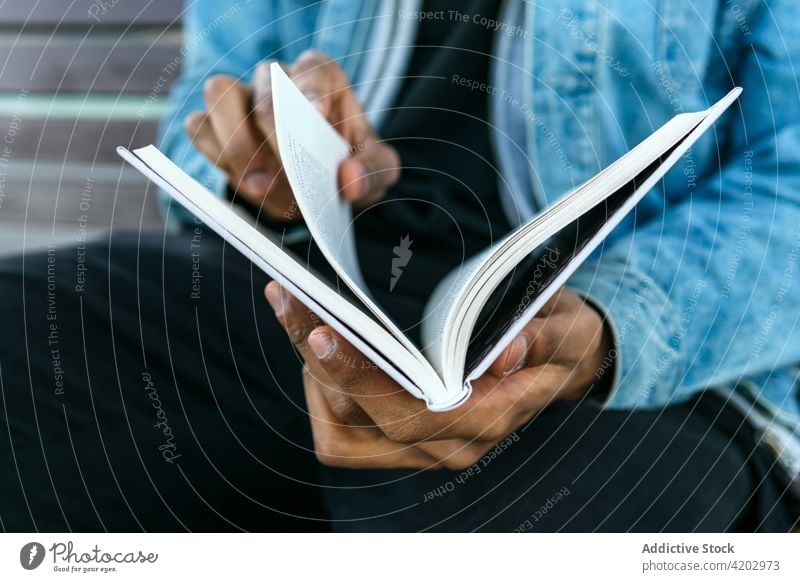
point(477, 310)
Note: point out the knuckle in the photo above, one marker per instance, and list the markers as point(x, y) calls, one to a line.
point(314, 56)
point(544, 347)
point(392, 160)
point(327, 453)
point(329, 461)
point(496, 432)
point(194, 122)
point(401, 432)
point(460, 460)
point(348, 380)
point(392, 176)
point(328, 458)
point(315, 64)
point(325, 446)
point(394, 173)
point(298, 333)
point(263, 106)
point(384, 158)
point(237, 152)
point(344, 408)
point(261, 84)
point(263, 69)
point(214, 87)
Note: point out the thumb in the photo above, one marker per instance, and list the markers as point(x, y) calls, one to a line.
point(541, 342)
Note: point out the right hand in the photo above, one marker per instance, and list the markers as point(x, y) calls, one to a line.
point(237, 133)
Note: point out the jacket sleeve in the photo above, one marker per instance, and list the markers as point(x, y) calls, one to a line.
point(218, 38)
point(708, 294)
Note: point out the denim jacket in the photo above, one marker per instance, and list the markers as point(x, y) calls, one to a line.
point(701, 284)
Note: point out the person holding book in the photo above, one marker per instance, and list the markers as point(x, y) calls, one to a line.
point(656, 391)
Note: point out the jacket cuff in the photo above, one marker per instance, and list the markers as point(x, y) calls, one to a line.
point(645, 333)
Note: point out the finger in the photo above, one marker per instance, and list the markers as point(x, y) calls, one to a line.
point(228, 102)
point(401, 416)
point(496, 407)
point(366, 175)
point(343, 406)
point(456, 454)
point(297, 320)
point(543, 341)
point(558, 302)
point(320, 79)
point(263, 106)
point(326, 85)
point(339, 445)
point(486, 416)
point(374, 166)
point(198, 128)
point(571, 331)
point(356, 375)
point(336, 445)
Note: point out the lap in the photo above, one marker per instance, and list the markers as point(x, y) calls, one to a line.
point(145, 384)
point(689, 467)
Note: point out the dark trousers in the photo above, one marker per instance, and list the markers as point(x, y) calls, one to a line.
point(146, 385)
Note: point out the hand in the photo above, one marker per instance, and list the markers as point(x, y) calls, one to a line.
point(362, 418)
point(237, 133)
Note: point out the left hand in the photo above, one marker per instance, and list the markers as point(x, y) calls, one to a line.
point(362, 418)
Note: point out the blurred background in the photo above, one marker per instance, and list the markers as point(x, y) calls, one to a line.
point(77, 79)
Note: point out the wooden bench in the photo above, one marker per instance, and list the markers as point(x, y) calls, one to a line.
point(78, 78)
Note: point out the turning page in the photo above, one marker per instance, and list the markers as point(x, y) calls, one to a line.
point(311, 151)
point(406, 367)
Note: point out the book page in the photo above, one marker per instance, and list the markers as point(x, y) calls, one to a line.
point(407, 368)
point(311, 151)
point(451, 322)
point(445, 311)
point(441, 309)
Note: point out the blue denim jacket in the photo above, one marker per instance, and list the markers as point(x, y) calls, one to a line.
point(701, 284)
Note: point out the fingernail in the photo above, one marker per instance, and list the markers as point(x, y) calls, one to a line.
point(322, 344)
point(258, 182)
point(276, 298)
point(516, 354)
